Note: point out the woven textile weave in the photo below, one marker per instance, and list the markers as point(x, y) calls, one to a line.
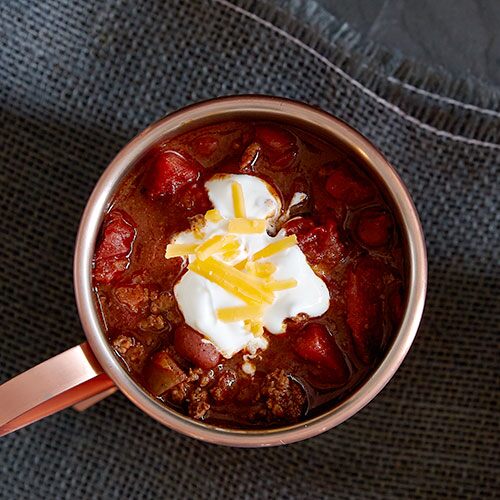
point(79, 79)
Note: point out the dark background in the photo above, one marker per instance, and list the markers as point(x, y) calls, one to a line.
point(462, 36)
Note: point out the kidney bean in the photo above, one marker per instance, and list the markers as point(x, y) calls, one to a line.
point(191, 345)
point(342, 185)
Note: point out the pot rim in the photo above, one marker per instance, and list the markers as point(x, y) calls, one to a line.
point(269, 108)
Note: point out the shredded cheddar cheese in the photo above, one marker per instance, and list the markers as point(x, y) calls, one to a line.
point(274, 286)
point(213, 215)
point(230, 255)
point(260, 269)
point(198, 233)
point(251, 279)
point(275, 247)
point(241, 265)
point(232, 280)
point(213, 245)
point(246, 226)
point(238, 200)
point(256, 327)
point(231, 314)
point(232, 246)
point(180, 249)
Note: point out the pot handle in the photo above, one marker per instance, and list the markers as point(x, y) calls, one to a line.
point(64, 380)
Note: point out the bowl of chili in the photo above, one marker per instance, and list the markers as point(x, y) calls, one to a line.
point(348, 219)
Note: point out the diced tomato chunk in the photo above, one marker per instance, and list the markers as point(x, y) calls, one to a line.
point(315, 344)
point(373, 228)
point(170, 172)
point(117, 236)
point(112, 254)
point(191, 345)
point(319, 241)
point(365, 287)
point(279, 144)
point(342, 185)
point(299, 226)
point(163, 373)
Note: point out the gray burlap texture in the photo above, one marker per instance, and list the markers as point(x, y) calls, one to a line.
point(79, 79)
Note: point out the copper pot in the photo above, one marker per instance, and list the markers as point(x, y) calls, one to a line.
point(88, 372)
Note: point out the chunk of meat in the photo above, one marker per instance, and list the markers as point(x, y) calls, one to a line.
point(280, 146)
point(323, 243)
point(342, 185)
point(170, 172)
point(163, 373)
point(131, 351)
point(315, 344)
point(191, 345)
point(284, 399)
point(374, 228)
point(113, 251)
point(364, 296)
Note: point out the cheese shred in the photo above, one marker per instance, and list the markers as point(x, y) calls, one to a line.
point(213, 245)
point(232, 314)
point(254, 326)
point(261, 269)
point(238, 200)
point(246, 226)
point(275, 247)
point(274, 286)
point(232, 280)
point(213, 215)
point(180, 249)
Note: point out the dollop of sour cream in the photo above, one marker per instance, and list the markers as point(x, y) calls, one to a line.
point(199, 299)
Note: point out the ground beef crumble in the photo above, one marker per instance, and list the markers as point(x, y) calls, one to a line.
point(165, 303)
point(131, 351)
point(225, 386)
point(198, 404)
point(194, 391)
point(152, 322)
point(284, 399)
point(277, 396)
